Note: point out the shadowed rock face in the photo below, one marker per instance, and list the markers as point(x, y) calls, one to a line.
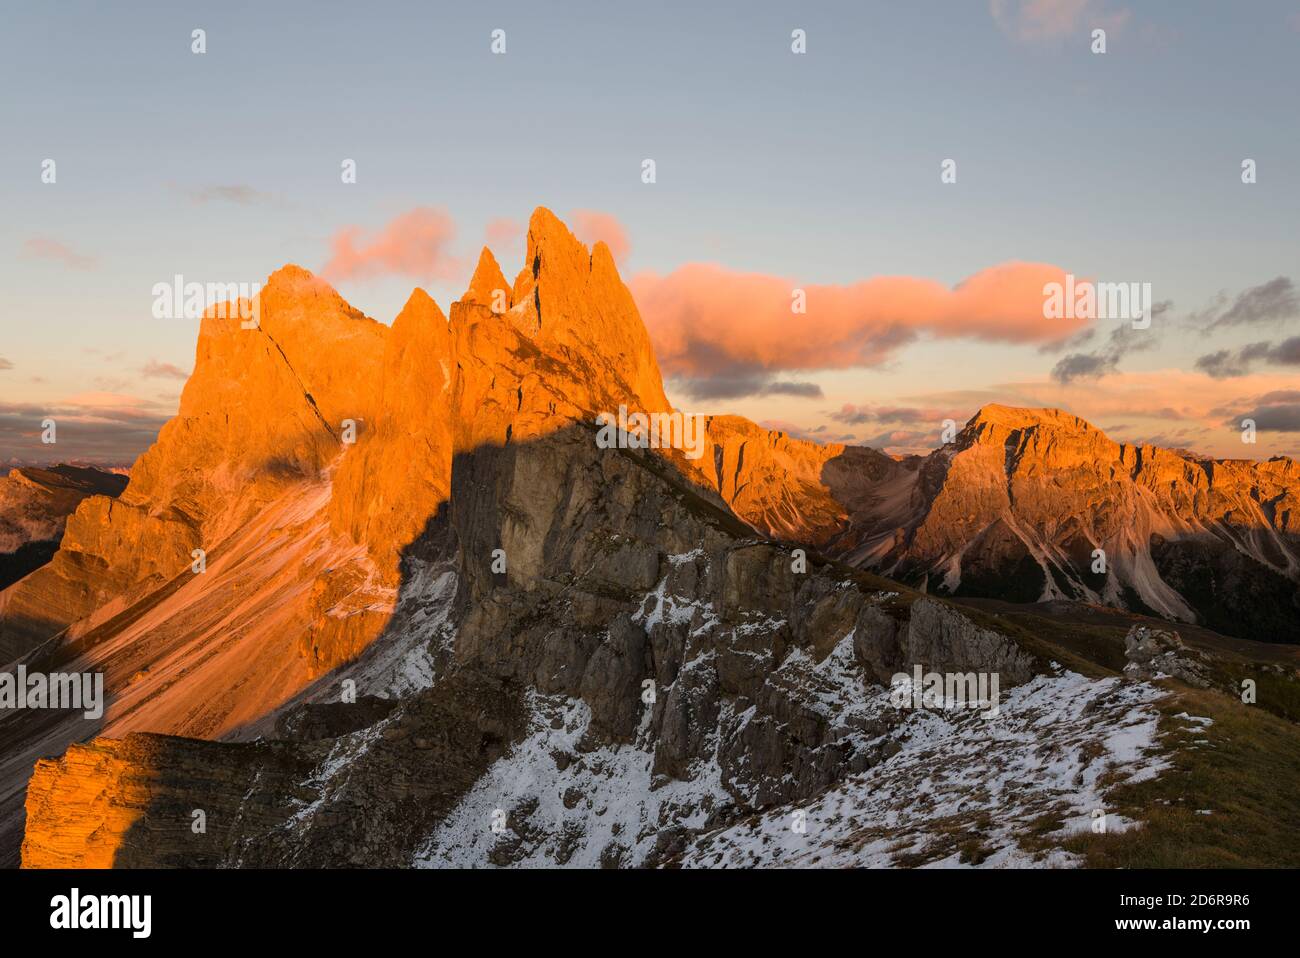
point(131, 802)
point(620, 574)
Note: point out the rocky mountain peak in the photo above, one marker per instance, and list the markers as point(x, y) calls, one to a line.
point(293, 294)
point(994, 421)
point(485, 282)
point(571, 345)
point(420, 324)
point(584, 308)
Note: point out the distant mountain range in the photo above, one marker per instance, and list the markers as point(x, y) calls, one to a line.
point(1036, 504)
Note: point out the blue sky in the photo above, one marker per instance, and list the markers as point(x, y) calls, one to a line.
point(822, 168)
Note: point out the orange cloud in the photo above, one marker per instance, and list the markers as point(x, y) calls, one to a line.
point(503, 232)
point(414, 245)
point(593, 226)
point(1033, 21)
point(707, 320)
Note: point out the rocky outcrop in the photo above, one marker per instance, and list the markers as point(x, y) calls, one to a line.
point(801, 491)
point(167, 802)
point(1160, 653)
point(155, 800)
point(34, 505)
point(676, 638)
point(944, 640)
point(568, 344)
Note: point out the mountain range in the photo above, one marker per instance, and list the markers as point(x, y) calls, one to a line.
point(376, 596)
point(1018, 506)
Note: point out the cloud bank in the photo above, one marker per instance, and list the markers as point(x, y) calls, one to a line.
point(709, 322)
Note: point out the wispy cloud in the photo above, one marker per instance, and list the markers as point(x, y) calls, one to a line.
point(42, 247)
point(817, 434)
point(1104, 360)
point(1229, 363)
point(155, 369)
point(1265, 304)
point(502, 232)
point(854, 415)
point(1269, 303)
point(1044, 21)
point(237, 193)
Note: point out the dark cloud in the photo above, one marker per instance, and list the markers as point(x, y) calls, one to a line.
point(237, 193)
point(744, 385)
point(1276, 411)
point(5, 364)
point(1105, 359)
point(852, 415)
point(1083, 366)
point(1226, 363)
point(1073, 342)
point(1269, 302)
point(1284, 417)
point(153, 368)
point(108, 434)
point(801, 389)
